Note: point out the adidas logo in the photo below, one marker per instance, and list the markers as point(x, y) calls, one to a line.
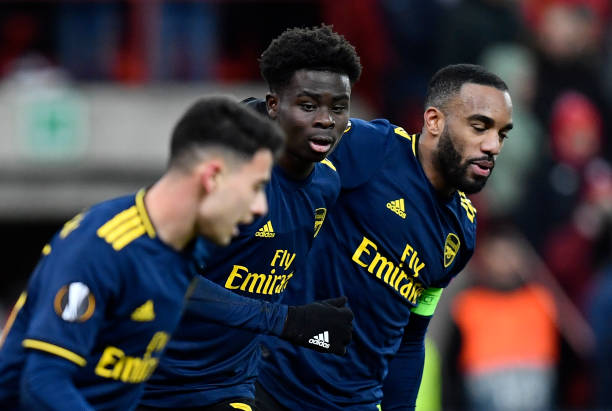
point(266, 231)
point(144, 313)
point(322, 340)
point(397, 207)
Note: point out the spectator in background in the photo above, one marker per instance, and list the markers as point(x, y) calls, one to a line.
point(409, 24)
point(568, 38)
point(470, 26)
point(508, 343)
point(600, 301)
point(362, 23)
point(574, 151)
point(186, 42)
point(576, 252)
point(92, 54)
point(569, 249)
point(506, 190)
point(570, 254)
point(22, 32)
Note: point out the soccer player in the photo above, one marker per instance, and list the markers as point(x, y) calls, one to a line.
point(110, 286)
point(310, 72)
point(401, 229)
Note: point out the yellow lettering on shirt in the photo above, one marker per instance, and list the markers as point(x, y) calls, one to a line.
point(116, 365)
point(240, 277)
point(367, 256)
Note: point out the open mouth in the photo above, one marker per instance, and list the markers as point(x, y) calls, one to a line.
point(320, 144)
point(482, 167)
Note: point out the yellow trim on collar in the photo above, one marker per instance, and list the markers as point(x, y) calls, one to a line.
point(142, 210)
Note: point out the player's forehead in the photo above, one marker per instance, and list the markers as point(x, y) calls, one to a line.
point(319, 83)
point(477, 99)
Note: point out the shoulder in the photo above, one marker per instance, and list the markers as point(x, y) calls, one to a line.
point(102, 232)
point(362, 140)
point(466, 210)
point(366, 146)
point(327, 180)
point(122, 221)
point(375, 135)
point(374, 128)
point(544, 296)
point(326, 173)
point(78, 255)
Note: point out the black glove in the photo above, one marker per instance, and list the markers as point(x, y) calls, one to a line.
point(324, 326)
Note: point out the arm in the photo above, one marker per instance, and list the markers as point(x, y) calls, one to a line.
point(297, 324)
point(47, 384)
point(361, 151)
point(67, 302)
point(401, 386)
point(212, 302)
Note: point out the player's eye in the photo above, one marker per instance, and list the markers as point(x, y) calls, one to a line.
point(307, 106)
point(479, 128)
point(340, 108)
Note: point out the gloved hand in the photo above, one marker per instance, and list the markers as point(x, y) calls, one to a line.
point(324, 326)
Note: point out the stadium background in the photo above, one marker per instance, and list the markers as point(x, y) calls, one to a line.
point(89, 91)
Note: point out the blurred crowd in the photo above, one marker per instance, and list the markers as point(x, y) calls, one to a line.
point(531, 323)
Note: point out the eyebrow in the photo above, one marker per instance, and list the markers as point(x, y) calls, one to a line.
point(488, 121)
point(317, 96)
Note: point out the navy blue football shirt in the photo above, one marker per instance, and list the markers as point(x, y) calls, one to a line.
point(206, 363)
point(388, 238)
point(105, 297)
point(100, 308)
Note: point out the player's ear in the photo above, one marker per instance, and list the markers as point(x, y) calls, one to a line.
point(210, 174)
point(272, 105)
point(434, 121)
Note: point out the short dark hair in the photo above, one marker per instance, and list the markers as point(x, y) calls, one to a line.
point(448, 81)
point(315, 48)
point(223, 123)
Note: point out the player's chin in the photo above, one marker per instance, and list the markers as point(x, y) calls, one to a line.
point(473, 186)
point(473, 183)
point(222, 239)
point(316, 157)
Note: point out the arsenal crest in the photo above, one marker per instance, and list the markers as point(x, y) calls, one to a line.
point(320, 214)
point(451, 248)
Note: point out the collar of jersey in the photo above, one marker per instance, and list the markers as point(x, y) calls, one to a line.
point(142, 211)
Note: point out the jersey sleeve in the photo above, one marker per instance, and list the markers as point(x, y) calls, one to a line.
point(360, 151)
point(47, 385)
point(72, 286)
point(401, 386)
point(212, 302)
point(460, 265)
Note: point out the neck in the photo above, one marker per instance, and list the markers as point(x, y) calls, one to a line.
point(171, 204)
point(295, 167)
point(427, 157)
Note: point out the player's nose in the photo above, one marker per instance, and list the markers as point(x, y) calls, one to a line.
point(491, 143)
point(324, 118)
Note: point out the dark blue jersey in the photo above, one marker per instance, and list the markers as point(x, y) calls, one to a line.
point(205, 362)
point(104, 298)
point(388, 238)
